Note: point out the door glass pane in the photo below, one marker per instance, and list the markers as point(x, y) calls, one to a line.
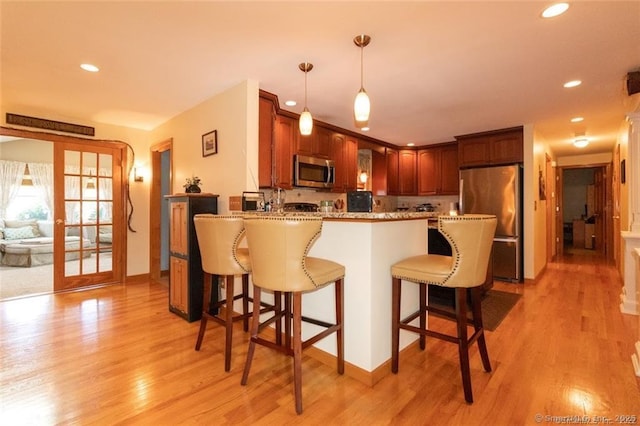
point(88, 183)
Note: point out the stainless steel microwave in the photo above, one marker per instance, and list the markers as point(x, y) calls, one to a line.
point(313, 172)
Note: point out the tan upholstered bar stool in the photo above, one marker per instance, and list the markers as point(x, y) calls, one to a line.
point(218, 239)
point(471, 239)
point(279, 262)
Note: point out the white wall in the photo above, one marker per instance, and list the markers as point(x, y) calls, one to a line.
point(234, 114)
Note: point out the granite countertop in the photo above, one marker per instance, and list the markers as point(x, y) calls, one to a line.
point(352, 216)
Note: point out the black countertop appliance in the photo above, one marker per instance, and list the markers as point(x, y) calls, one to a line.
point(359, 201)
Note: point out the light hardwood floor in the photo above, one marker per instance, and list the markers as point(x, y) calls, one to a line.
point(115, 355)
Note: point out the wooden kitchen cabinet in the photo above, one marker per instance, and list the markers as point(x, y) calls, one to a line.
point(393, 170)
point(345, 157)
point(266, 135)
point(407, 173)
point(276, 139)
point(185, 263)
point(438, 170)
point(285, 133)
point(491, 148)
point(317, 144)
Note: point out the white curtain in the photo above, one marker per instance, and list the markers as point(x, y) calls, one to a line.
point(11, 174)
point(42, 178)
point(105, 188)
point(72, 190)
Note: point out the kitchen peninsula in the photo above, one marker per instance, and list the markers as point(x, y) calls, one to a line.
point(367, 244)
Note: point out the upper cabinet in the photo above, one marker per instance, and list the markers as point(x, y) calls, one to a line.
point(491, 148)
point(345, 156)
point(393, 170)
point(317, 144)
point(276, 141)
point(407, 172)
point(267, 116)
point(438, 170)
point(285, 128)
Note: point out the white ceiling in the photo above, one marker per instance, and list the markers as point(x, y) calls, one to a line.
point(433, 70)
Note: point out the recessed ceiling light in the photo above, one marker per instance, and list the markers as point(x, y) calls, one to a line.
point(572, 83)
point(581, 143)
point(410, 144)
point(89, 67)
point(364, 129)
point(290, 103)
point(555, 10)
point(577, 119)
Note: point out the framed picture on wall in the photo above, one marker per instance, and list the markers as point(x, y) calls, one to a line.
point(210, 143)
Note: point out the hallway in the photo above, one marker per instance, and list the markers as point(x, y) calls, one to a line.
point(563, 350)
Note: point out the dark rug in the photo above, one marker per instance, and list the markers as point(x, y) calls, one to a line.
point(496, 305)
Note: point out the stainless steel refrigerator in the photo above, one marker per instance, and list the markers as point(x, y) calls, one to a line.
point(498, 191)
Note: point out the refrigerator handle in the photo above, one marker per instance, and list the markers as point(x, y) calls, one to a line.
point(460, 203)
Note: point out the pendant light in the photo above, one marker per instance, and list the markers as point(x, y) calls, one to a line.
point(306, 121)
point(362, 106)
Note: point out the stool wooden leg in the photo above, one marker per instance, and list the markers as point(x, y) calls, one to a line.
point(206, 301)
point(340, 331)
point(423, 313)
point(255, 322)
point(297, 349)
point(478, 325)
point(277, 306)
point(395, 323)
point(245, 301)
point(228, 322)
point(287, 319)
point(463, 343)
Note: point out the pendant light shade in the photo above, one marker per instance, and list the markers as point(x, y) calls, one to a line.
point(306, 121)
point(362, 105)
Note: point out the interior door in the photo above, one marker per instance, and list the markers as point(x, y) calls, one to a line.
point(88, 209)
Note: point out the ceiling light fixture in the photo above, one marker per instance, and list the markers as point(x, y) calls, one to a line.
point(89, 67)
point(291, 103)
point(362, 105)
point(306, 121)
point(581, 142)
point(555, 10)
point(572, 83)
point(577, 119)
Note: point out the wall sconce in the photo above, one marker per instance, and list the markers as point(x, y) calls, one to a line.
point(138, 175)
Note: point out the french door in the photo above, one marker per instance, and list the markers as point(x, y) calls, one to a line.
point(88, 211)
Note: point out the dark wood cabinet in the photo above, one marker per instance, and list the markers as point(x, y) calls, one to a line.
point(185, 263)
point(491, 148)
point(407, 168)
point(438, 170)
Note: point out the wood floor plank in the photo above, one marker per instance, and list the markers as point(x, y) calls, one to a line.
point(116, 355)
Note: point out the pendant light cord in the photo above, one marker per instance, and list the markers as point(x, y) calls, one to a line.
point(361, 67)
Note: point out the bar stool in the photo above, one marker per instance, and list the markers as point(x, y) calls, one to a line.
point(218, 239)
point(471, 239)
point(279, 262)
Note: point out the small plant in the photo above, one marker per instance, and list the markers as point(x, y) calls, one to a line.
point(192, 185)
point(192, 181)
